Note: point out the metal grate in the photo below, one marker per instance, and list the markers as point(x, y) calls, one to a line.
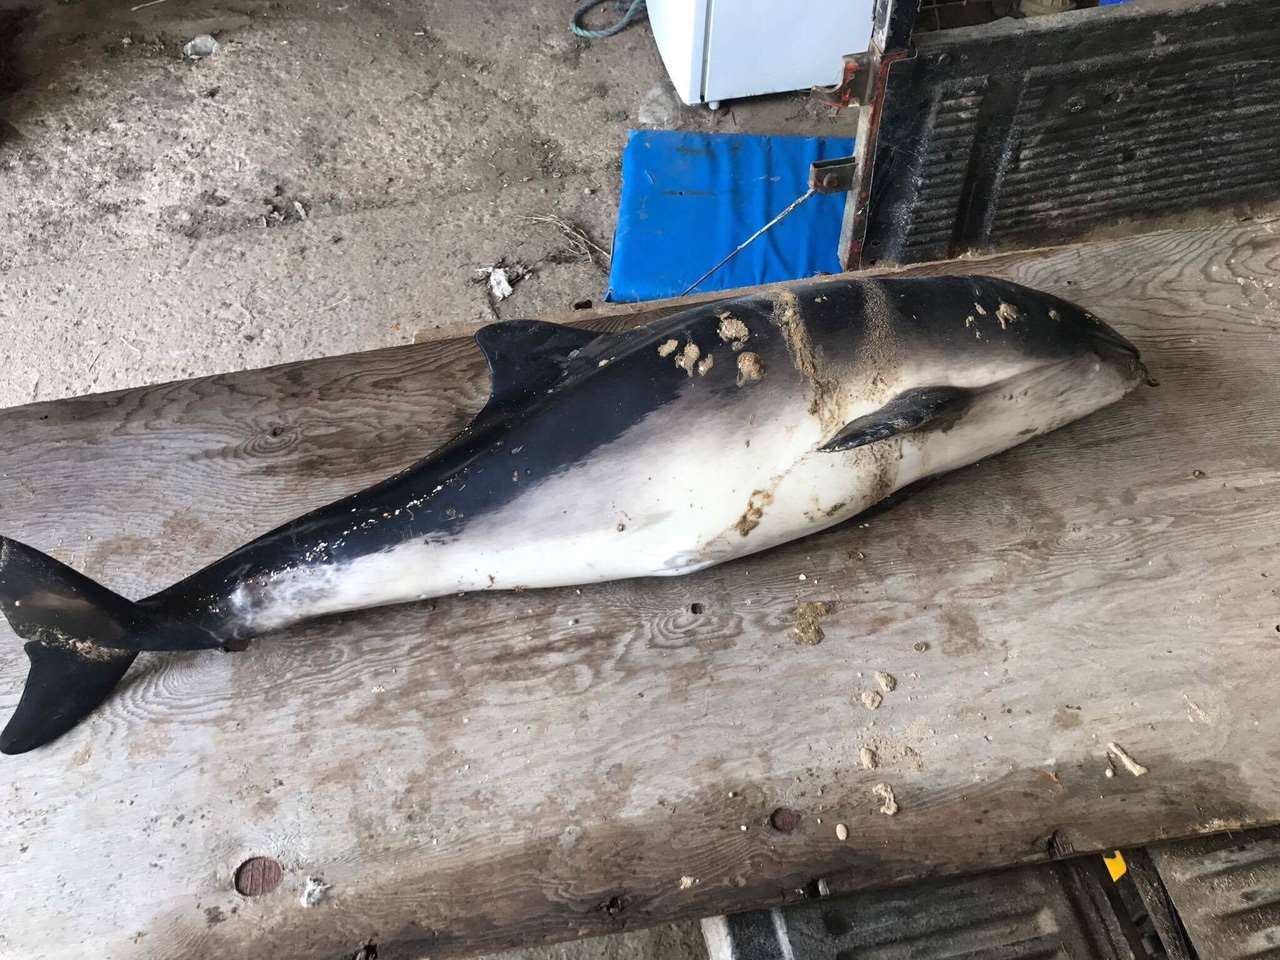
point(1051, 912)
point(1227, 891)
point(1025, 132)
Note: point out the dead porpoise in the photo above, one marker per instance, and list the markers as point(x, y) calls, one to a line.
point(716, 432)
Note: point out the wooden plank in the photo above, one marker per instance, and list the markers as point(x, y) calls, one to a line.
point(490, 770)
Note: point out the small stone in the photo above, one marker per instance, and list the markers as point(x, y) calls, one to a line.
point(314, 892)
point(667, 347)
point(199, 47)
point(871, 699)
point(887, 681)
point(919, 646)
point(888, 803)
point(687, 882)
point(807, 630)
point(869, 759)
point(842, 832)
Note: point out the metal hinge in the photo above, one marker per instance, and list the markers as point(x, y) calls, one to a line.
point(832, 176)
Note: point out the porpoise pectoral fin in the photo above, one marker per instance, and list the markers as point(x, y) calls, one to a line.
point(921, 407)
point(528, 355)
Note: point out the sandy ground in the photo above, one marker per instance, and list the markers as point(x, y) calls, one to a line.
point(329, 181)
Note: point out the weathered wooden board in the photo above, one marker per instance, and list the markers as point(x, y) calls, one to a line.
point(498, 769)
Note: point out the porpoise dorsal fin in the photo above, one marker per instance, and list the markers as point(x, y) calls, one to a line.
point(920, 407)
point(528, 355)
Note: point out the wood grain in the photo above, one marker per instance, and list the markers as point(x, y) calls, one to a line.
point(483, 771)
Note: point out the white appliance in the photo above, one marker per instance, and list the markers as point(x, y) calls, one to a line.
point(722, 49)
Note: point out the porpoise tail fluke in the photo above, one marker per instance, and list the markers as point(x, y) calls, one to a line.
point(81, 638)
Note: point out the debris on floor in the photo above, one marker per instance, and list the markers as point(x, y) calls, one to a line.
point(868, 758)
point(806, 631)
point(315, 891)
point(199, 47)
point(871, 699)
point(282, 207)
point(502, 278)
point(887, 681)
point(888, 802)
point(1130, 764)
point(582, 249)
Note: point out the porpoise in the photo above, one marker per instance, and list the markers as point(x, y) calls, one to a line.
point(712, 433)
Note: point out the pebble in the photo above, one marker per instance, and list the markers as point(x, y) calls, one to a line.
point(884, 793)
point(314, 891)
point(199, 47)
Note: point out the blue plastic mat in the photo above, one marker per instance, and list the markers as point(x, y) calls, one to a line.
point(690, 198)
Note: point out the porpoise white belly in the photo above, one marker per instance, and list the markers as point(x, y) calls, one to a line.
point(671, 497)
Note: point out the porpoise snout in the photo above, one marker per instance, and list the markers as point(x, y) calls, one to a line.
point(1112, 348)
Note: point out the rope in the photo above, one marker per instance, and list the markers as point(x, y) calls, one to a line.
point(790, 208)
point(575, 23)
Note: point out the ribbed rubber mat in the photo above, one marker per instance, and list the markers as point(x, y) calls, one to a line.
point(1227, 891)
point(1050, 912)
point(1025, 132)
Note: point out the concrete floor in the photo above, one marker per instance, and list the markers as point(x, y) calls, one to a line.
point(329, 181)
